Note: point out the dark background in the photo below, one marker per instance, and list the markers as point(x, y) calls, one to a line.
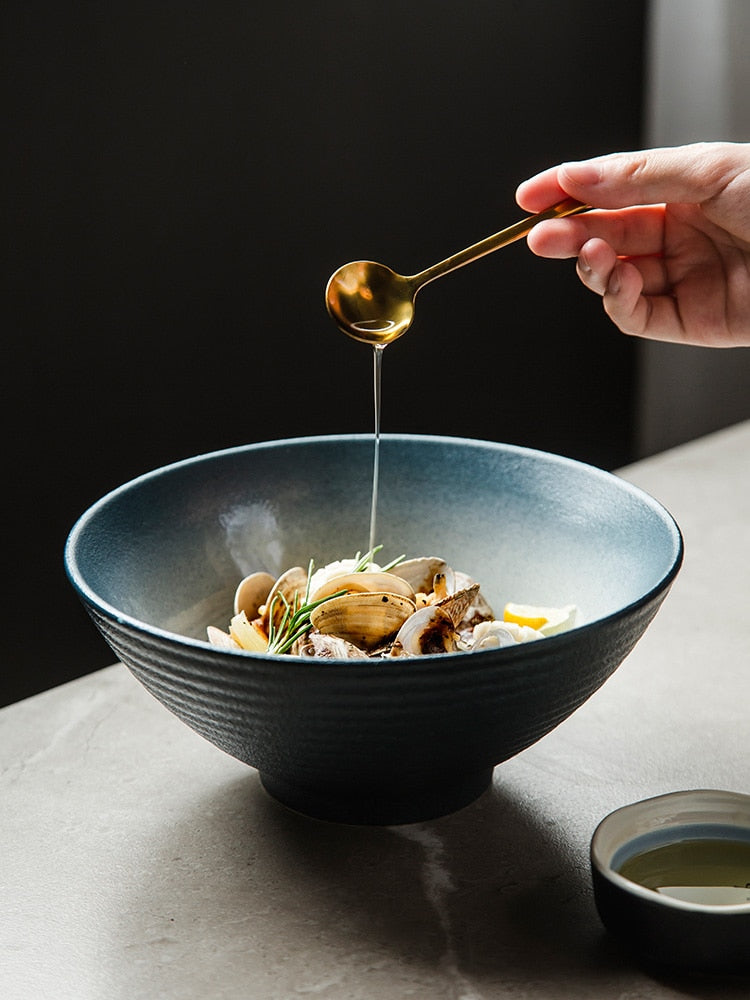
point(182, 178)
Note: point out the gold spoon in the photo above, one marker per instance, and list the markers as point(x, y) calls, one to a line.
point(372, 303)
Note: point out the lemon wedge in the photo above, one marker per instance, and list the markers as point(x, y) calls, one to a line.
point(548, 621)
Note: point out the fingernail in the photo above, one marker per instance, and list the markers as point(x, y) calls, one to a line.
point(581, 172)
point(613, 285)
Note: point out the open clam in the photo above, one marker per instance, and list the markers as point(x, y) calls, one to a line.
point(252, 593)
point(291, 586)
point(369, 620)
point(428, 630)
point(254, 603)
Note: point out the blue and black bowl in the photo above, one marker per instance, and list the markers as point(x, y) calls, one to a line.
point(373, 741)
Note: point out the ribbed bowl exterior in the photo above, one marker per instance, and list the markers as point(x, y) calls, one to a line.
point(361, 741)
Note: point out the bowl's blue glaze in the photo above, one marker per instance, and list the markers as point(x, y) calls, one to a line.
point(158, 559)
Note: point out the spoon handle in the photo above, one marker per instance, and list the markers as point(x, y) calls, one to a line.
point(515, 232)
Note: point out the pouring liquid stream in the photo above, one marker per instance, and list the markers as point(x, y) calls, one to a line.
point(379, 333)
point(377, 371)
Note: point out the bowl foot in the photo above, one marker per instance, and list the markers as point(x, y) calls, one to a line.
point(380, 806)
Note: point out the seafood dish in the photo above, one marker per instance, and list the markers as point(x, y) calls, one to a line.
point(355, 608)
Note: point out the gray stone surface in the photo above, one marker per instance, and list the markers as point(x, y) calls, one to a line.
point(140, 862)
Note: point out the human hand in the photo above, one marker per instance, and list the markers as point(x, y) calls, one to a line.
point(669, 248)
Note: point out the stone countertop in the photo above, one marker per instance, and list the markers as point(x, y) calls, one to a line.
point(138, 861)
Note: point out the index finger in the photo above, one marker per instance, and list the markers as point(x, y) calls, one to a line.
point(693, 174)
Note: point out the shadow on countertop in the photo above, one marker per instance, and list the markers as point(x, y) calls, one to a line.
point(491, 901)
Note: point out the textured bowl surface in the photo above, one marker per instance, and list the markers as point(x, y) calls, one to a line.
point(658, 928)
point(158, 560)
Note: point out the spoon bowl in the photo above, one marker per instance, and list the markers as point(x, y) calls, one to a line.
point(373, 304)
point(370, 302)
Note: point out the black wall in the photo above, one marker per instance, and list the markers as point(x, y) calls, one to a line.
point(182, 178)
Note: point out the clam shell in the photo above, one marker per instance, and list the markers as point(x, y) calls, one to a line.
point(360, 583)
point(291, 585)
point(419, 573)
point(456, 605)
point(251, 593)
point(429, 630)
point(368, 620)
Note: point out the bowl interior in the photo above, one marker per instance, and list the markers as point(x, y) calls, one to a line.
point(168, 549)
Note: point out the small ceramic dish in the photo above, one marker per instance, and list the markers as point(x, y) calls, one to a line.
point(671, 879)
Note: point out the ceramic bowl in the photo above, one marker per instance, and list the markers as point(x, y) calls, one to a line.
point(663, 930)
point(373, 741)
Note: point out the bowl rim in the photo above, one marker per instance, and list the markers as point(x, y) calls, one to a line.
point(91, 598)
point(601, 859)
